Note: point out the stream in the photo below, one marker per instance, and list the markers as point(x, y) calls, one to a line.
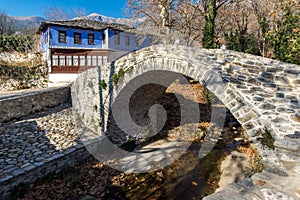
point(188, 177)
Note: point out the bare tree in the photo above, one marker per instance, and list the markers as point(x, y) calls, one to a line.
point(267, 14)
point(55, 13)
point(170, 20)
point(189, 23)
point(78, 12)
point(209, 9)
point(262, 10)
point(236, 17)
point(188, 19)
point(7, 24)
point(155, 14)
point(3, 22)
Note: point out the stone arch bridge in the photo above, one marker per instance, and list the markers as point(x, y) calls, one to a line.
point(262, 94)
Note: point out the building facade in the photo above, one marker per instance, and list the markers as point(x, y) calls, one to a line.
point(70, 47)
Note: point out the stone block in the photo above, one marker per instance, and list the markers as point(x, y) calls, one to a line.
point(287, 144)
point(247, 117)
point(267, 106)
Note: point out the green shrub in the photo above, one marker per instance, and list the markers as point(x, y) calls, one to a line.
point(118, 76)
point(242, 42)
point(266, 139)
point(9, 43)
point(103, 84)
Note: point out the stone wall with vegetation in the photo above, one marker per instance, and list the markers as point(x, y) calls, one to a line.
point(24, 103)
point(20, 63)
point(86, 97)
point(22, 76)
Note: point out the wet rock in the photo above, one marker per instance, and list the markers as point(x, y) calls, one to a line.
point(233, 169)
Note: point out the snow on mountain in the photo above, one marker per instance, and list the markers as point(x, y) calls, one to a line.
point(28, 21)
point(102, 18)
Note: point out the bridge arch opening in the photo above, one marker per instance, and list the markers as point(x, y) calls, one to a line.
point(232, 139)
point(177, 93)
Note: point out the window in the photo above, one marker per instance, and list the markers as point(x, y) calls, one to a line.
point(127, 40)
point(77, 38)
point(104, 60)
point(75, 60)
point(45, 38)
point(91, 39)
point(89, 60)
point(62, 36)
point(99, 60)
point(117, 37)
point(82, 60)
point(94, 60)
point(54, 60)
point(69, 60)
point(61, 60)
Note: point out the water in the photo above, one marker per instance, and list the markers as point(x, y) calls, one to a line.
point(187, 178)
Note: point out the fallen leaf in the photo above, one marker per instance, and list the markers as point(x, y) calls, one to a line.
point(260, 182)
point(194, 183)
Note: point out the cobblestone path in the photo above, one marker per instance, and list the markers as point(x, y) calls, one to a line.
point(32, 141)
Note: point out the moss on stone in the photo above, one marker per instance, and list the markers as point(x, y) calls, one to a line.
point(103, 84)
point(90, 84)
point(266, 139)
point(118, 76)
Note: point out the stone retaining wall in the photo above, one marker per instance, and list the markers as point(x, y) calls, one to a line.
point(26, 76)
point(55, 164)
point(19, 104)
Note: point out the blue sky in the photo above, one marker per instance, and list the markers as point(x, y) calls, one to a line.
point(112, 8)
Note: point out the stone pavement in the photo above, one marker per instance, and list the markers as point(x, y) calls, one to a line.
point(35, 141)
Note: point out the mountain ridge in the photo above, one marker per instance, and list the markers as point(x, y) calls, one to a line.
point(103, 18)
point(27, 21)
point(32, 22)
point(36, 20)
